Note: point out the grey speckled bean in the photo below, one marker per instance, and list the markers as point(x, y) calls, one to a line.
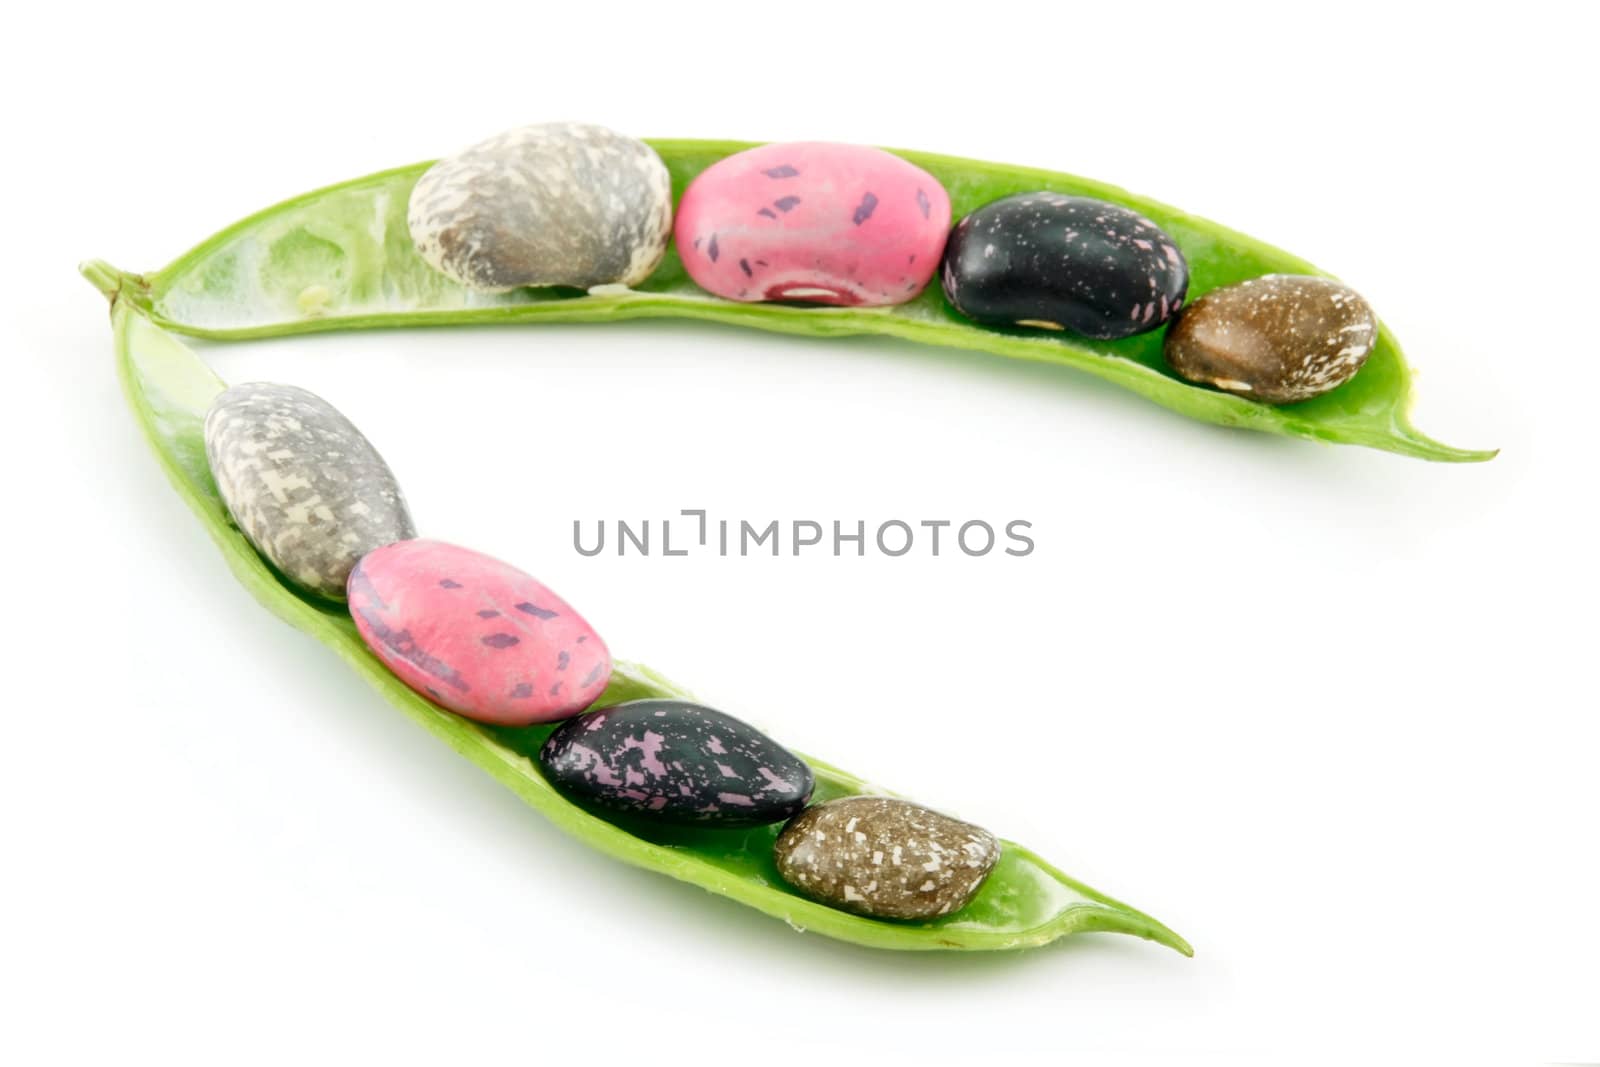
point(303, 485)
point(560, 203)
point(885, 857)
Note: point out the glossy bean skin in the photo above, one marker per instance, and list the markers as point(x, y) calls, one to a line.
point(1282, 338)
point(476, 635)
point(1024, 902)
point(362, 271)
point(1044, 261)
point(813, 222)
point(670, 761)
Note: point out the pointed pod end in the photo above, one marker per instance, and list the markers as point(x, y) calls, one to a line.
point(1113, 917)
point(1137, 923)
point(1427, 448)
point(1173, 941)
point(1407, 440)
point(1445, 454)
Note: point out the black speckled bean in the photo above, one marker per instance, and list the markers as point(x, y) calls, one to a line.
point(1053, 262)
point(675, 762)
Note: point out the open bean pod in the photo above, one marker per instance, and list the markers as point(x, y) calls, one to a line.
point(1024, 902)
point(343, 258)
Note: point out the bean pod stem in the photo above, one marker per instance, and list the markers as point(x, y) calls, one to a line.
point(342, 258)
point(1025, 902)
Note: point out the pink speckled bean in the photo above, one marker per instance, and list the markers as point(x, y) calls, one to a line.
point(476, 635)
point(824, 223)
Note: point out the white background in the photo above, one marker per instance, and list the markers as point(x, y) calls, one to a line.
point(1326, 711)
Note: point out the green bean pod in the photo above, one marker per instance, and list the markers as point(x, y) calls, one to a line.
point(1025, 902)
point(342, 258)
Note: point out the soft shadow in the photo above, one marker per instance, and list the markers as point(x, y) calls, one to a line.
point(540, 848)
point(1068, 382)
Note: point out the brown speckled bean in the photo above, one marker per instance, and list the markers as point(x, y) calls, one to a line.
point(1279, 339)
point(884, 857)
